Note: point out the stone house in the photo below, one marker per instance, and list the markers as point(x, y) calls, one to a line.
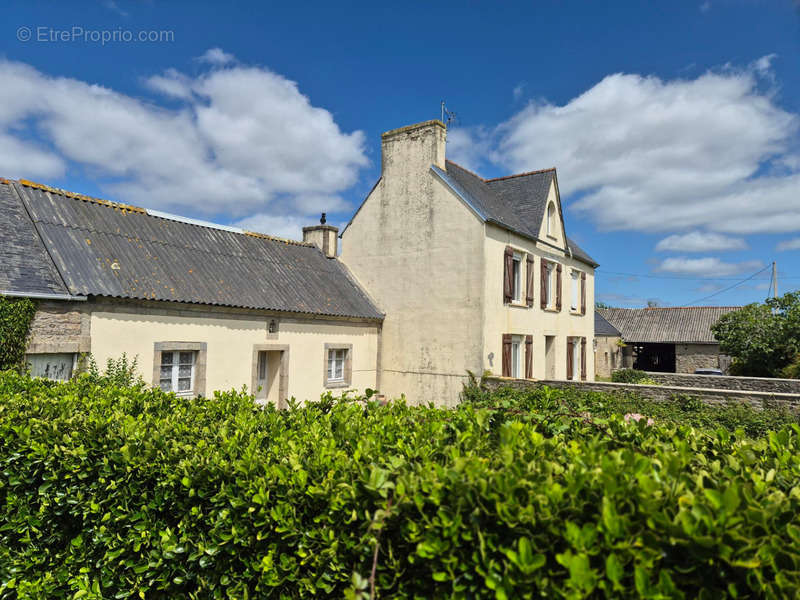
point(441, 272)
point(670, 340)
point(203, 307)
point(472, 274)
point(608, 347)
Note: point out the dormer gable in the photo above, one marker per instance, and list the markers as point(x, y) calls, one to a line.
point(519, 203)
point(552, 228)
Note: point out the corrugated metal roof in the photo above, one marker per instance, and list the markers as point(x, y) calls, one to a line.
point(603, 327)
point(688, 324)
point(108, 249)
point(516, 202)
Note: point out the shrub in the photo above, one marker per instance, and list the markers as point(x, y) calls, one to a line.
point(631, 376)
point(16, 315)
point(120, 372)
point(792, 371)
point(114, 492)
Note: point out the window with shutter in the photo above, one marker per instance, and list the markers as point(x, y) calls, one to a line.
point(544, 291)
point(508, 273)
point(583, 359)
point(528, 357)
point(506, 355)
point(558, 287)
point(583, 293)
point(529, 280)
point(570, 357)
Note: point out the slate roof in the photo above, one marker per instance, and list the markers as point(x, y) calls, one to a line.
point(103, 248)
point(603, 327)
point(515, 202)
point(685, 325)
point(25, 265)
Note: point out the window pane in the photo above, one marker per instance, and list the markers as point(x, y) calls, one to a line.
point(166, 358)
point(186, 358)
point(166, 372)
point(517, 278)
point(515, 359)
point(262, 365)
point(184, 385)
point(165, 385)
point(185, 371)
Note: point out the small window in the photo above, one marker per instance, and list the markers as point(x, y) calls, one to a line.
point(57, 367)
point(177, 372)
point(548, 281)
point(551, 219)
point(576, 289)
point(338, 365)
point(517, 278)
point(336, 360)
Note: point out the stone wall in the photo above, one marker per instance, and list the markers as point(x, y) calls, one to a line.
point(608, 355)
point(726, 382)
point(659, 393)
point(60, 327)
point(689, 357)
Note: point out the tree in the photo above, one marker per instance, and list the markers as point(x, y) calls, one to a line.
point(762, 338)
point(601, 305)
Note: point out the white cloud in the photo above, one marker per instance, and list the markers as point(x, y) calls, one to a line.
point(518, 91)
point(707, 267)
point(642, 153)
point(216, 57)
point(793, 244)
point(699, 241)
point(705, 6)
point(288, 226)
point(468, 146)
point(241, 141)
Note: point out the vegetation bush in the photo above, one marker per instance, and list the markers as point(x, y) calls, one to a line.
point(792, 371)
point(762, 338)
point(683, 410)
point(16, 315)
point(122, 372)
point(114, 492)
point(631, 376)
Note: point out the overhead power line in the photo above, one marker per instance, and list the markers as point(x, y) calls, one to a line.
point(730, 287)
point(679, 277)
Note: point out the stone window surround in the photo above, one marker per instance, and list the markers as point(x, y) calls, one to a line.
point(348, 366)
point(283, 377)
point(199, 365)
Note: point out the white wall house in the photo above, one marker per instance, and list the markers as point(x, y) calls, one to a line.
point(441, 272)
point(472, 274)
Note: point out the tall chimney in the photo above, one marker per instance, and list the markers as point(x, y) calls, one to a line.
point(413, 149)
point(322, 236)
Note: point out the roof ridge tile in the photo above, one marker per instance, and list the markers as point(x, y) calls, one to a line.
point(536, 172)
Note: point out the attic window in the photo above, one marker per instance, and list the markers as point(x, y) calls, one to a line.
point(551, 219)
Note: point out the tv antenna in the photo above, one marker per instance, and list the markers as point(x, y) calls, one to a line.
point(448, 117)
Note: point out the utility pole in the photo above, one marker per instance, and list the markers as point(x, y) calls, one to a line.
point(774, 279)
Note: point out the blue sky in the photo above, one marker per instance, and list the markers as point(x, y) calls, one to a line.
point(673, 126)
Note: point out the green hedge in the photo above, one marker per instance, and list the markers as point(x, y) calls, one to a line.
point(631, 376)
point(16, 315)
point(118, 493)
